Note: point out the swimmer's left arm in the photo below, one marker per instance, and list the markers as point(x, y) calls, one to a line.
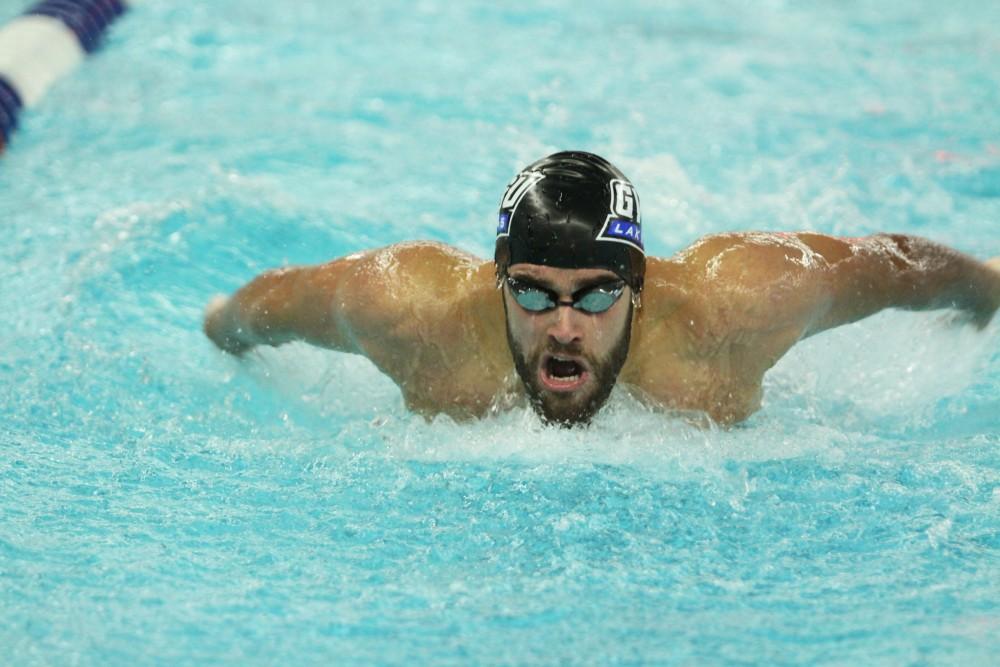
point(909, 272)
point(764, 292)
point(816, 282)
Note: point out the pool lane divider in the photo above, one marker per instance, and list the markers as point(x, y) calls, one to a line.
point(45, 44)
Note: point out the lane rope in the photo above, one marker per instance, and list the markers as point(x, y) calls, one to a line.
point(43, 45)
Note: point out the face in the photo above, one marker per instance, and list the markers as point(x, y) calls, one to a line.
point(567, 359)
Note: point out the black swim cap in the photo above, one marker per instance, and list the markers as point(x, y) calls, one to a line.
point(572, 210)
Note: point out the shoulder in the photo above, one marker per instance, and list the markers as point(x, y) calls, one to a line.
point(430, 317)
point(404, 267)
point(718, 268)
point(407, 283)
point(425, 250)
point(755, 259)
point(734, 284)
point(756, 275)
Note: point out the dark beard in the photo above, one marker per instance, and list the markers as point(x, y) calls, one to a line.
point(567, 409)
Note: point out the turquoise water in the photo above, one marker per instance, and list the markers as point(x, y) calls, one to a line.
point(162, 503)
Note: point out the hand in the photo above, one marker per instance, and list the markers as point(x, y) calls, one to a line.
point(987, 303)
point(217, 328)
point(995, 265)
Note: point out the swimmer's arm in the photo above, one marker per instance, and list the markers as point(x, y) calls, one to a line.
point(379, 303)
point(759, 294)
point(898, 271)
point(280, 306)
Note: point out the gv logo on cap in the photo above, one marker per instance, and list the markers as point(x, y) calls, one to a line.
point(624, 201)
point(623, 224)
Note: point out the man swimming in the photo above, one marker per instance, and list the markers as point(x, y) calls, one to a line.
point(580, 307)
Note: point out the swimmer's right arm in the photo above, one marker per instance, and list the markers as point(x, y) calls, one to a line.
point(280, 306)
point(377, 303)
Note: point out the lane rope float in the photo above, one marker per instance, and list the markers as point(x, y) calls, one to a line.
point(43, 45)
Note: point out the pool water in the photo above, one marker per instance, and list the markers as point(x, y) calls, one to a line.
point(162, 503)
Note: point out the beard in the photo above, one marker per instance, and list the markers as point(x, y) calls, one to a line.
point(577, 407)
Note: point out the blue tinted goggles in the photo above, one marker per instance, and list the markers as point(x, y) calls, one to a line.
point(592, 300)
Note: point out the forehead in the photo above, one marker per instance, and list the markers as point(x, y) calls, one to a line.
point(564, 278)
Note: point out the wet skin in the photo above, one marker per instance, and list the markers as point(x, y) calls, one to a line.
point(713, 319)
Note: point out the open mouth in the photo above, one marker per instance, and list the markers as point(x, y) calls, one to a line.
point(562, 373)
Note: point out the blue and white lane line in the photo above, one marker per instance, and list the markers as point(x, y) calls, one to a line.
point(45, 44)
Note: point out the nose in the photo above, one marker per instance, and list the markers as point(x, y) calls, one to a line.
point(566, 324)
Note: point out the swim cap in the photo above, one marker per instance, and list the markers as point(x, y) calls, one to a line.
point(572, 210)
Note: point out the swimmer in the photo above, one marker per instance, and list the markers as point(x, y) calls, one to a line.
point(571, 305)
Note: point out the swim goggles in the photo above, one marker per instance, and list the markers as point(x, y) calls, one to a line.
point(593, 300)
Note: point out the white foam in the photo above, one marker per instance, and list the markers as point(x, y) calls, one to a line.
point(338, 394)
point(894, 365)
point(820, 401)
